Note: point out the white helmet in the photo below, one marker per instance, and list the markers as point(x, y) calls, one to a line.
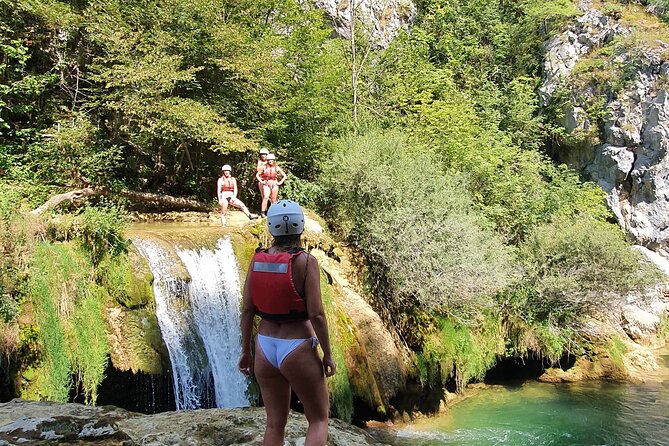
point(226, 167)
point(264, 151)
point(271, 157)
point(285, 217)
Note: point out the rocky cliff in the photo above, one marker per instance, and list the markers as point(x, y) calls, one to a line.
point(606, 80)
point(380, 18)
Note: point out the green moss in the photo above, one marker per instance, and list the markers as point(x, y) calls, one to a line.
point(341, 395)
point(616, 350)
point(244, 246)
point(69, 322)
point(128, 279)
point(663, 328)
point(461, 351)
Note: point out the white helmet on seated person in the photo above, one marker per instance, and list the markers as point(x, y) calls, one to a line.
point(226, 167)
point(285, 217)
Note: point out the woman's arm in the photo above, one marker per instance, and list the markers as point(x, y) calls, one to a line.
point(283, 175)
point(259, 172)
point(219, 183)
point(245, 360)
point(312, 296)
point(234, 192)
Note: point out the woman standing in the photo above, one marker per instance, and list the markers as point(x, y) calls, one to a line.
point(268, 176)
point(260, 165)
point(283, 288)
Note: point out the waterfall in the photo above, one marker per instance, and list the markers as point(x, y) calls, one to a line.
point(215, 300)
point(199, 321)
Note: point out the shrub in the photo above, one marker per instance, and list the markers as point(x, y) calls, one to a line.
point(579, 266)
point(100, 230)
point(465, 352)
point(414, 223)
point(306, 193)
point(529, 332)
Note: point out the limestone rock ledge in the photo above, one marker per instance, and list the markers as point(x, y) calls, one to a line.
point(45, 423)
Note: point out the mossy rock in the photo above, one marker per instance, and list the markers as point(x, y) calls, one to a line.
point(139, 286)
point(135, 341)
point(128, 279)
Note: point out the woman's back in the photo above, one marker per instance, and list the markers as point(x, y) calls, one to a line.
point(291, 328)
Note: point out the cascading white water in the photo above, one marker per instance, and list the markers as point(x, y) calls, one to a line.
point(199, 322)
point(214, 291)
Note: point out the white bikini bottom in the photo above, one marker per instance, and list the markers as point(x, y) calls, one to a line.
point(276, 349)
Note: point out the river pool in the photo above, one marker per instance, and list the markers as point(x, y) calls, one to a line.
point(536, 413)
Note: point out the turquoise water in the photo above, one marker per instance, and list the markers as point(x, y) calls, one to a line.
point(552, 414)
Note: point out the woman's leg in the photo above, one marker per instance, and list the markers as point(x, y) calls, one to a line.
point(304, 371)
point(274, 195)
point(265, 198)
point(224, 210)
point(236, 202)
point(275, 392)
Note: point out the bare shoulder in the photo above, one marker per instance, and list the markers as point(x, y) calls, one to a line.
point(305, 259)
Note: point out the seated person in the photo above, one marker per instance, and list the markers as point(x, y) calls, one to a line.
point(227, 194)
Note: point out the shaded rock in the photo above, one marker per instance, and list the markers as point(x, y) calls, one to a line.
point(379, 371)
point(42, 423)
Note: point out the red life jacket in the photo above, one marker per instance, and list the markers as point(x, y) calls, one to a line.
point(269, 173)
point(228, 185)
point(273, 292)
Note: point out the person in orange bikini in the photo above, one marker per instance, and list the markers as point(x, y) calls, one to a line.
point(226, 190)
point(283, 288)
point(268, 177)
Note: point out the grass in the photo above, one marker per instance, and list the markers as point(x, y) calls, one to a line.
point(341, 395)
point(69, 321)
point(463, 352)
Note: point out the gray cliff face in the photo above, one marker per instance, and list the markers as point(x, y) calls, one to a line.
point(563, 52)
point(382, 18)
point(629, 158)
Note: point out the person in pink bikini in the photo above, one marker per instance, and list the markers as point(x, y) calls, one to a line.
point(283, 288)
point(268, 176)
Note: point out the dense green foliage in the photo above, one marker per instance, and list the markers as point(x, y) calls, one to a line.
point(150, 95)
point(478, 244)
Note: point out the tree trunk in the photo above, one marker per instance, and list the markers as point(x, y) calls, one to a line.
point(354, 72)
point(138, 200)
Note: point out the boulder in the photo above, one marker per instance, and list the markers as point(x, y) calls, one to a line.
point(45, 423)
